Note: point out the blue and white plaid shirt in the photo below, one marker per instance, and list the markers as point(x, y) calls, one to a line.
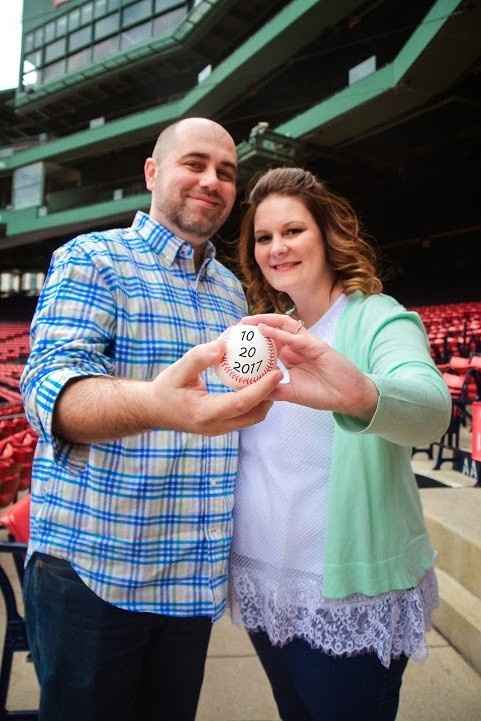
point(146, 521)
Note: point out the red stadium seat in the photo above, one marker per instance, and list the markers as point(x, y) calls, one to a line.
point(16, 519)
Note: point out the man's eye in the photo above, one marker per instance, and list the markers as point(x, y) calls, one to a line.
point(226, 176)
point(193, 165)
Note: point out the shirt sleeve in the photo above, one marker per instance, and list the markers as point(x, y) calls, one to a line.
point(414, 405)
point(71, 334)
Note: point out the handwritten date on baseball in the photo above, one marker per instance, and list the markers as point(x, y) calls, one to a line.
point(249, 356)
point(247, 352)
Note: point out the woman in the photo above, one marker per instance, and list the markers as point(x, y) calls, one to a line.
point(332, 569)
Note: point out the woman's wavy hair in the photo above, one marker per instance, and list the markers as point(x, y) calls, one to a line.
point(350, 256)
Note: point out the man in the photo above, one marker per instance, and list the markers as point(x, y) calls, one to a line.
point(136, 461)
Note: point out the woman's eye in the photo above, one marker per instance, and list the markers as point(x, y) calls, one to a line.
point(262, 238)
point(293, 231)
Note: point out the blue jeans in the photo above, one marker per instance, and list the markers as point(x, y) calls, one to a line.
point(309, 685)
point(95, 661)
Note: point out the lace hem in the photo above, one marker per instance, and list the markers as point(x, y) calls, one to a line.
point(291, 605)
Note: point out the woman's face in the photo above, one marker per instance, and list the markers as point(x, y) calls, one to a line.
point(289, 247)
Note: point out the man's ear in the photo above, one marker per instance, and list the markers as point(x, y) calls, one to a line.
point(150, 173)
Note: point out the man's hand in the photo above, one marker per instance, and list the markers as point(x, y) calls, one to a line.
point(102, 408)
point(193, 409)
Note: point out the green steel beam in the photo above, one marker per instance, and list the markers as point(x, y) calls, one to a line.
point(97, 139)
point(292, 28)
point(27, 226)
point(297, 25)
point(427, 64)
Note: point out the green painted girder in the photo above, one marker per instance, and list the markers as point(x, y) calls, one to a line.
point(28, 225)
point(431, 59)
point(444, 44)
point(296, 25)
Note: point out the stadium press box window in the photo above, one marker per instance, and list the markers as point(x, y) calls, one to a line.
point(92, 32)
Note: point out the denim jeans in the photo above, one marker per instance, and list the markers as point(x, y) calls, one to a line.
point(309, 685)
point(97, 662)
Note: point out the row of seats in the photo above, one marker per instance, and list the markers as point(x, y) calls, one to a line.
point(9, 396)
point(13, 330)
point(17, 439)
point(463, 378)
point(11, 408)
point(14, 343)
point(10, 381)
point(11, 370)
point(12, 416)
point(453, 329)
point(11, 426)
point(16, 455)
point(14, 349)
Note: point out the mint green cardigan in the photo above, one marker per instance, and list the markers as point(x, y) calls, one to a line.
point(376, 537)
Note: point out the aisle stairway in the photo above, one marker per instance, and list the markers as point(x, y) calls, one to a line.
point(453, 518)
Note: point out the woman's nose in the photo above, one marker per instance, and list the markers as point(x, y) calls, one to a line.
point(278, 246)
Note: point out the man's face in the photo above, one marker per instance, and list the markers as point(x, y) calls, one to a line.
point(193, 183)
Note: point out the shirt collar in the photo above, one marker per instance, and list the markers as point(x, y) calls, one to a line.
point(165, 243)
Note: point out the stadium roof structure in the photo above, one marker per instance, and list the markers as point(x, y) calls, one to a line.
point(380, 97)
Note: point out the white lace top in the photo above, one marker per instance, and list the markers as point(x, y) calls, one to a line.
point(280, 527)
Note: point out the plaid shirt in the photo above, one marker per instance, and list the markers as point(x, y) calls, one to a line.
point(146, 521)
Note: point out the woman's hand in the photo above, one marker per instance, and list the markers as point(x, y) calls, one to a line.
point(320, 377)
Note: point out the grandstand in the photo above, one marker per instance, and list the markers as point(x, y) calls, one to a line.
point(379, 97)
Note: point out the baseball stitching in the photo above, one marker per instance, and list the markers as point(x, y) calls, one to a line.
point(270, 363)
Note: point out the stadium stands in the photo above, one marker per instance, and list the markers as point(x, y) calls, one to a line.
point(17, 439)
point(17, 446)
point(454, 333)
point(453, 330)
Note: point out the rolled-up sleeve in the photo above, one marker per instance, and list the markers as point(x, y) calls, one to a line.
point(414, 405)
point(71, 334)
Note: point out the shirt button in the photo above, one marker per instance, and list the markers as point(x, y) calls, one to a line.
point(216, 534)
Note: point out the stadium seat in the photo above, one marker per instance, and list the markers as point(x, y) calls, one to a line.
point(15, 638)
point(12, 408)
point(16, 519)
point(16, 456)
point(450, 440)
point(9, 480)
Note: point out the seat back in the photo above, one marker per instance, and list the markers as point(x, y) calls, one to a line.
point(16, 519)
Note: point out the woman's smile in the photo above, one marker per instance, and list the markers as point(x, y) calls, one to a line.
point(283, 267)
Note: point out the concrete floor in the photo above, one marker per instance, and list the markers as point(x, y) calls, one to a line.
point(444, 688)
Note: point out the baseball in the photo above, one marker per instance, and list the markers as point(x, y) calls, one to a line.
point(248, 356)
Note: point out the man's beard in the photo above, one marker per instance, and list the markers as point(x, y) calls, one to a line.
point(188, 221)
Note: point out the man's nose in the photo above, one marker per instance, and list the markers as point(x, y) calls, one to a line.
point(209, 179)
